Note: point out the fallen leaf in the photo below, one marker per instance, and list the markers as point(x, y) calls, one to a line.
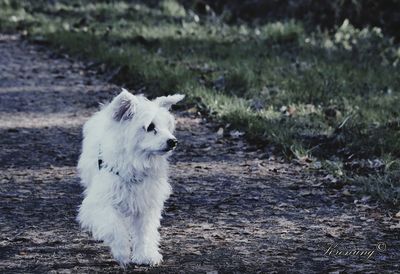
point(346, 192)
point(305, 192)
point(236, 133)
point(192, 110)
point(396, 226)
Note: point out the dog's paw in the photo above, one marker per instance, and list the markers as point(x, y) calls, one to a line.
point(149, 259)
point(121, 255)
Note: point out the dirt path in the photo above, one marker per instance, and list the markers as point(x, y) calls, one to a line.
point(235, 208)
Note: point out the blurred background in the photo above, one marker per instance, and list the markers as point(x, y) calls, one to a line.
point(321, 14)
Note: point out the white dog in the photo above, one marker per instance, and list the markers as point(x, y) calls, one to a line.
point(124, 168)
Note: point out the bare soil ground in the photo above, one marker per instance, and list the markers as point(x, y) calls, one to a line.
point(235, 208)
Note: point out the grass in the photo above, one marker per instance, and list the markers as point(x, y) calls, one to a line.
point(330, 96)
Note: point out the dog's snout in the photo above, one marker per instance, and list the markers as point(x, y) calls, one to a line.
point(171, 143)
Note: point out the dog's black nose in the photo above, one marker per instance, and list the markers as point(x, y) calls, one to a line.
point(171, 143)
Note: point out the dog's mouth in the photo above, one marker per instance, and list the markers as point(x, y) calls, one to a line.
point(166, 150)
point(163, 151)
point(169, 147)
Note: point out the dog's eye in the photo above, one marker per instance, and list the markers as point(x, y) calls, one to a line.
point(151, 127)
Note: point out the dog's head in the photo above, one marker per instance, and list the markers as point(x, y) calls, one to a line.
point(146, 127)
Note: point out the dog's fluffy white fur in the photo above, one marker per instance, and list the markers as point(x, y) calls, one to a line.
point(124, 169)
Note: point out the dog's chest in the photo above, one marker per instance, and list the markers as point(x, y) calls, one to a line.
point(131, 199)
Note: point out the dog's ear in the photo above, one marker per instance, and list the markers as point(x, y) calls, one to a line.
point(168, 101)
point(124, 106)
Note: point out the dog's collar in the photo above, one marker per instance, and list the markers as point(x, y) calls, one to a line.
point(102, 165)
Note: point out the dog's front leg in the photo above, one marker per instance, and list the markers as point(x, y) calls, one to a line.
point(145, 237)
point(106, 225)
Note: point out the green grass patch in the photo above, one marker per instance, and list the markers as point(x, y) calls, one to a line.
point(326, 95)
